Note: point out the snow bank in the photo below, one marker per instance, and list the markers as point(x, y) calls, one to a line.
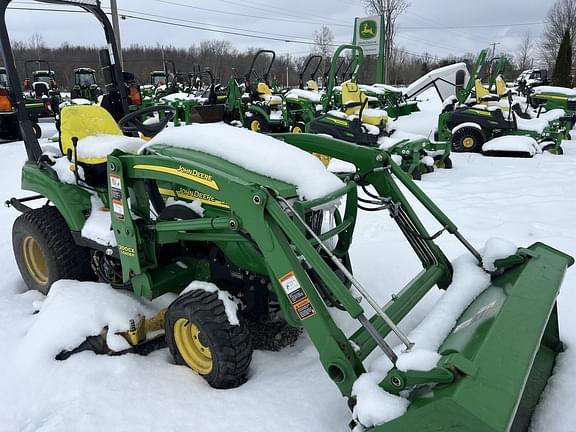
point(75, 310)
point(515, 144)
point(255, 152)
point(375, 406)
point(101, 145)
point(98, 226)
point(230, 303)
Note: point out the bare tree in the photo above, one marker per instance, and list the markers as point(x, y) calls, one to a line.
point(561, 16)
point(524, 56)
point(391, 9)
point(36, 44)
point(323, 40)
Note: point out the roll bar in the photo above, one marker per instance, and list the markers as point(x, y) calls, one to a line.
point(115, 81)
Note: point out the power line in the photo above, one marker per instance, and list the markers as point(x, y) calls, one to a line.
point(269, 18)
point(473, 26)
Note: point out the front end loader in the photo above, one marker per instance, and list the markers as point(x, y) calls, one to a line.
point(260, 237)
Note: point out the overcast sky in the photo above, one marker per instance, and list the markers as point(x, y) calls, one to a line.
point(439, 27)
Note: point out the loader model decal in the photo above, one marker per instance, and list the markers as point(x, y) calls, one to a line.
point(368, 29)
point(187, 173)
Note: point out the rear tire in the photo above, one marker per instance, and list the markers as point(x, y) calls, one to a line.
point(299, 127)
point(442, 163)
point(257, 123)
point(552, 149)
point(37, 130)
point(467, 139)
point(45, 250)
point(200, 336)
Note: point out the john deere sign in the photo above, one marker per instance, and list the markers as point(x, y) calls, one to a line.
point(367, 34)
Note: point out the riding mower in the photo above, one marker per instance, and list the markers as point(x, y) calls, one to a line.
point(260, 110)
point(303, 103)
point(469, 122)
point(258, 246)
point(550, 98)
point(357, 123)
point(85, 85)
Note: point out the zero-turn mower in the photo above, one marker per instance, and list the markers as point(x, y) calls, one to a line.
point(260, 237)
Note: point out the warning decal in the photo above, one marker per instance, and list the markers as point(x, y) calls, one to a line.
point(297, 296)
point(117, 204)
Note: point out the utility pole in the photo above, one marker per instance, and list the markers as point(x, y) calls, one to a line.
point(116, 27)
point(386, 41)
point(494, 48)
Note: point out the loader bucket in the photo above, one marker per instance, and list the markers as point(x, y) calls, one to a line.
point(503, 348)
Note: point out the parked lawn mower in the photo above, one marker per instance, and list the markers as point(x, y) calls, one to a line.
point(551, 97)
point(85, 85)
point(357, 123)
point(261, 240)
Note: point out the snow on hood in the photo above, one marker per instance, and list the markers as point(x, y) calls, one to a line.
point(255, 152)
point(303, 94)
point(534, 125)
point(552, 89)
point(514, 144)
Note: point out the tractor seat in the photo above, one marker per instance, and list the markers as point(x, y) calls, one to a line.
point(312, 85)
point(501, 88)
point(98, 135)
point(353, 99)
point(482, 93)
point(265, 94)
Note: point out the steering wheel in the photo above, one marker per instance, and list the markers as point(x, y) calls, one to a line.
point(133, 122)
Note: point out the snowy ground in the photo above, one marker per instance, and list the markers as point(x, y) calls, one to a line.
point(522, 200)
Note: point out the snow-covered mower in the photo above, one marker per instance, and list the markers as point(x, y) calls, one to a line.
point(474, 120)
point(260, 109)
point(85, 85)
point(531, 78)
point(259, 238)
point(551, 98)
point(355, 122)
point(303, 103)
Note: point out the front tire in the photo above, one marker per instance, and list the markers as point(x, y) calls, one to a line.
point(257, 123)
point(45, 250)
point(467, 139)
point(200, 336)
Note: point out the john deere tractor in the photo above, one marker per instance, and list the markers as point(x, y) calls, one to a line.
point(85, 85)
point(41, 89)
point(9, 127)
point(193, 212)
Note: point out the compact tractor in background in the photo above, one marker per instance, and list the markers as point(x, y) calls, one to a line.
point(41, 89)
point(85, 85)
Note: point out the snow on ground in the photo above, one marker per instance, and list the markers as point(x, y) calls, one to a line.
point(521, 200)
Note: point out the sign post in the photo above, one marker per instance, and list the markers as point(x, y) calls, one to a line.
point(369, 34)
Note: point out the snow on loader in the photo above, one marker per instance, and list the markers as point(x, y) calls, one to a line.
point(259, 235)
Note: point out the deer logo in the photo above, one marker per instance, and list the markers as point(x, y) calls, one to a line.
point(368, 29)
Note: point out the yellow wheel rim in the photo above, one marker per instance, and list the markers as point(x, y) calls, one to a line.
point(297, 129)
point(196, 355)
point(440, 163)
point(35, 260)
point(255, 125)
point(468, 142)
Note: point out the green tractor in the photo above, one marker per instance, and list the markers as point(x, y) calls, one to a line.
point(258, 240)
point(85, 85)
point(550, 98)
point(40, 89)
